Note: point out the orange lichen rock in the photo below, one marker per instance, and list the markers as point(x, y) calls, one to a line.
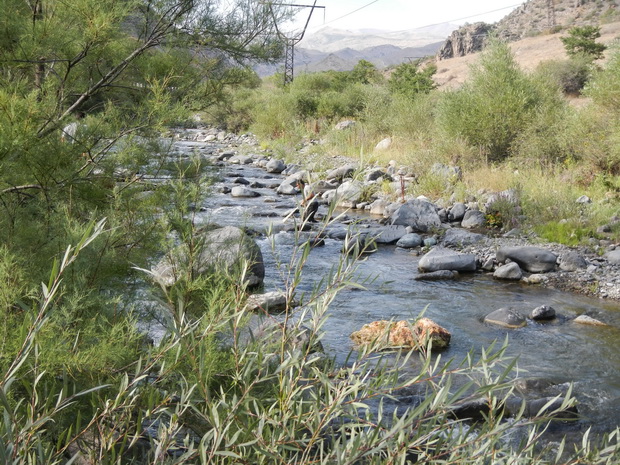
point(402, 334)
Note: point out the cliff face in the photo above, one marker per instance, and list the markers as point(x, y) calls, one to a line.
point(533, 18)
point(465, 40)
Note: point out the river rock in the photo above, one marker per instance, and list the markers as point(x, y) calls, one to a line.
point(544, 312)
point(275, 302)
point(378, 207)
point(275, 166)
point(384, 144)
point(402, 334)
point(440, 258)
point(457, 237)
point(346, 124)
point(472, 410)
point(241, 160)
point(338, 174)
point(588, 320)
point(531, 259)
point(613, 257)
point(376, 174)
point(572, 261)
point(441, 275)
point(388, 234)
point(430, 241)
point(506, 317)
point(549, 406)
point(473, 219)
point(349, 193)
point(457, 212)
point(419, 214)
point(319, 187)
point(227, 248)
point(409, 241)
point(509, 272)
point(225, 156)
point(359, 244)
point(240, 191)
point(449, 173)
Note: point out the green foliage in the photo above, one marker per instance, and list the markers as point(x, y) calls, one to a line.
point(581, 40)
point(409, 80)
point(570, 75)
point(364, 72)
point(604, 87)
point(498, 102)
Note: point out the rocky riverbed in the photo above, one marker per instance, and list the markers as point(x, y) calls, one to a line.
point(375, 199)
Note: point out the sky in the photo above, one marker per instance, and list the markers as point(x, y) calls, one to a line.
point(395, 15)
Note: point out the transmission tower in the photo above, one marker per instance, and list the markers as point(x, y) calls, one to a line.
point(290, 42)
point(551, 12)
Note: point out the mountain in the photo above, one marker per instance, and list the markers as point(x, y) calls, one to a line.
point(340, 50)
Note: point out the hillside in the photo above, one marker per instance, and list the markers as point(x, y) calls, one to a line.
point(529, 52)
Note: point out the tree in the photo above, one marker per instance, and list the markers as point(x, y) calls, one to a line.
point(582, 41)
point(364, 72)
point(409, 80)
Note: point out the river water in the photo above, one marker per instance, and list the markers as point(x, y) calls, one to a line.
point(561, 350)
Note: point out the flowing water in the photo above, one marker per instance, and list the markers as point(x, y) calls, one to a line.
point(561, 350)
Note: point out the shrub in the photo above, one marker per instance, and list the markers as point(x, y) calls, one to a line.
point(581, 40)
point(409, 80)
point(604, 87)
point(570, 75)
point(496, 104)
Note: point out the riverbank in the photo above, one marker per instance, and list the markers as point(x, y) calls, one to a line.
point(373, 194)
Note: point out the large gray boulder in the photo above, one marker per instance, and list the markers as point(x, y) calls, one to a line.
point(349, 193)
point(388, 234)
point(509, 272)
point(419, 214)
point(613, 257)
point(275, 166)
point(445, 259)
point(572, 261)
point(531, 259)
point(473, 219)
point(409, 241)
point(227, 248)
point(341, 173)
point(506, 317)
point(240, 191)
point(457, 237)
point(457, 212)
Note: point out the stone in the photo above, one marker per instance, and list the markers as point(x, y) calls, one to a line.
point(548, 406)
point(378, 207)
point(241, 160)
point(440, 258)
point(488, 264)
point(228, 248)
point(572, 261)
point(384, 144)
point(241, 181)
point(274, 302)
point(349, 193)
point(472, 410)
point(473, 219)
point(287, 189)
point(419, 214)
point(341, 173)
point(240, 191)
point(402, 335)
point(588, 320)
point(430, 241)
point(457, 237)
point(225, 156)
point(346, 124)
point(535, 279)
point(409, 241)
point(613, 257)
point(319, 188)
point(449, 173)
point(359, 244)
point(544, 312)
point(388, 234)
point(441, 275)
point(506, 317)
point(457, 212)
point(275, 166)
point(376, 174)
point(509, 272)
point(583, 199)
point(531, 259)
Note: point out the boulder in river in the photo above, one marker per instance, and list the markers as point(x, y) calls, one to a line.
point(441, 275)
point(440, 258)
point(419, 214)
point(388, 234)
point(222, 248)
point(409, 241)
point(273, 302)
point(544, 312)
point(402, 334)
point(349, 193)
point(240, 191)
point(275, 166)
point(510, 272)
point(338, 174)
point(531, 259)
point(506, 317)
point(457, 237)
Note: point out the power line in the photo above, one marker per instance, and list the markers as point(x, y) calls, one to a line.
point(350, 12)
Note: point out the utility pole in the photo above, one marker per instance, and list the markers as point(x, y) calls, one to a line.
point(551, 13)
point(290, 42)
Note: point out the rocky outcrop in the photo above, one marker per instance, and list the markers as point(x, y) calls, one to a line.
point(465, 40)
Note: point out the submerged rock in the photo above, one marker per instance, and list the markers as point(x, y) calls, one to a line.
point(506, 317)
point(544, 312)
point(440, 275)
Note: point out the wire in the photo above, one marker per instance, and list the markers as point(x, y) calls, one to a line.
point(350, 12)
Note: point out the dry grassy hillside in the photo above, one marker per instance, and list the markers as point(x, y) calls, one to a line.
point(529, 52)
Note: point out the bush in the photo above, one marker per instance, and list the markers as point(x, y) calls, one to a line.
point(581, 40)
point(570, 75)
point(496, 105)
point(604, 87)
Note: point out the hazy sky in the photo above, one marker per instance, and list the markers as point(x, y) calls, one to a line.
point(400, 14)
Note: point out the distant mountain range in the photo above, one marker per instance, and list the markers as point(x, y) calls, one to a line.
point(340, 50)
